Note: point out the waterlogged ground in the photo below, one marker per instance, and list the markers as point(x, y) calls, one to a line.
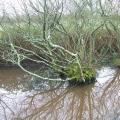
point(21, 99)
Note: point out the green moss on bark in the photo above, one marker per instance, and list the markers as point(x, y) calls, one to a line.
point(73, 72)
point(116, 62)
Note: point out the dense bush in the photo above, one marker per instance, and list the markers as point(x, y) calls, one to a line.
point(85, 35)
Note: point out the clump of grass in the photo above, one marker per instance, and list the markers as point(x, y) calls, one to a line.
point(73, 72)
point(116, 62)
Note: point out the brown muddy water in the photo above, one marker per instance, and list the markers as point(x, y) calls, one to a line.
point(24, 98)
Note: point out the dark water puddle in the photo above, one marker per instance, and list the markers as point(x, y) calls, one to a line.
point(22, 98)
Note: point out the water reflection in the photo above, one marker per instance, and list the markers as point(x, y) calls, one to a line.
point(12, 79)
point(100, 101)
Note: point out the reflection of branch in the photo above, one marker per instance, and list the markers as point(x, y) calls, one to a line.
point(6, 106)
point(50, 104)
point(110, 84)
point(73, 103)
point(44, 92)
point(5, 116)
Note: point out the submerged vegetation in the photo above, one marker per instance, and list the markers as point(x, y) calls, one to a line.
point(70, 41)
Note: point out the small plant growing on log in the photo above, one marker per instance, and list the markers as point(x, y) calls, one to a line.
point(73, 72)
point(116, 62)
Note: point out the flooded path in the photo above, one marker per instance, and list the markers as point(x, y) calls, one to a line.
point(21, 100)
